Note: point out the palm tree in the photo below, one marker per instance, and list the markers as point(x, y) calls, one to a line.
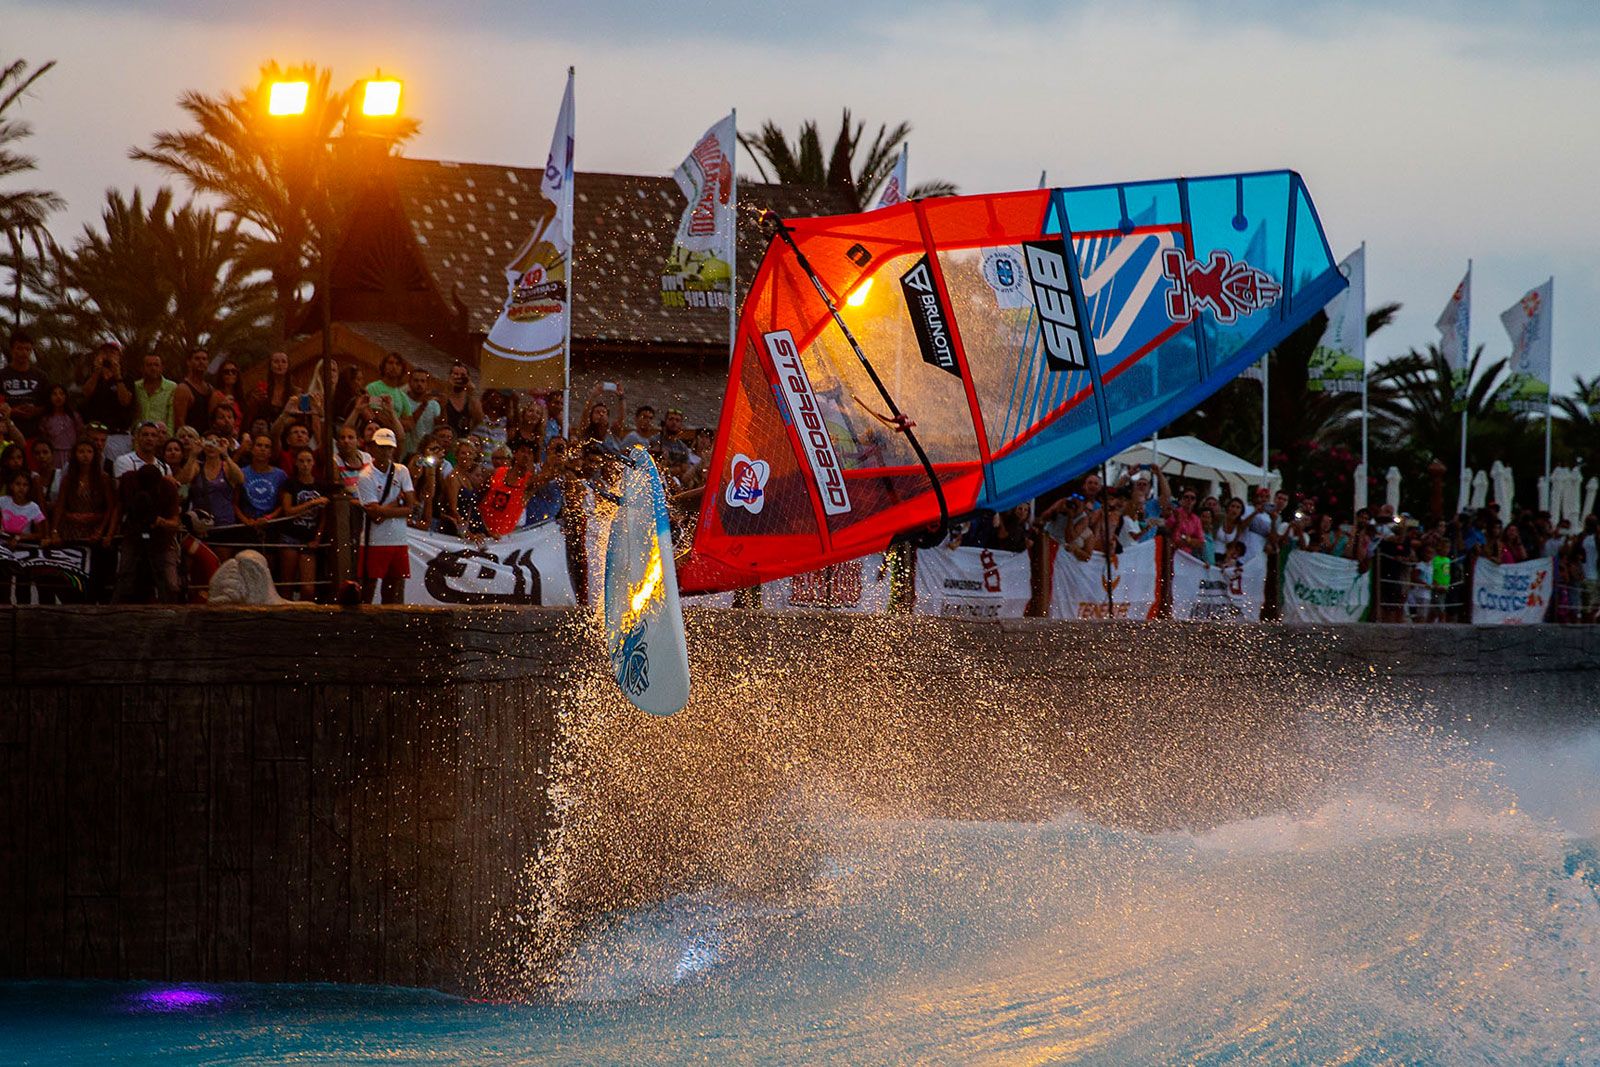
point(280, 177)
point(22, 211)
point(805, 163)
point(1578, 421)
point(160, 279)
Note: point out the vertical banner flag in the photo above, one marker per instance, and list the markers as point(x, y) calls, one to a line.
point(527, 346)
point(699, 272)
point(1340, 360)
point(894, 190)
point(1528, 323)
point(1455, 331)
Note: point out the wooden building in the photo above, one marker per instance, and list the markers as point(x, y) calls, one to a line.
point(421, 272)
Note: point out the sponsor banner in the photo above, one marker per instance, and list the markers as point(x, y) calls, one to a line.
point(1511, 593)
point(1226, 288)
point(1319, 588)
point(1455, 331)
point(973, 583)
point(795, 385)
point(1339, 362)
point(1082, 589)
point(858, 585)
point(928, 320)
point(699, 270)
point(1527, 388)
point(526, 346)
point(527, 566)
point(54, 564)
point(894, 190)
point(1224, 593)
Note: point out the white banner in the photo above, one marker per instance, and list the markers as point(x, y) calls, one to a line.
point(1527, 387)
point(526, 346)
point(894, 190)
point(1084, 590)
point(527, 566)
point(972, 583)
point(699, 270)
point(1340, 360)
point(859, 585)
point(1511, 593)
point(1205, 593)
point(1455, 330)
point(1319, 588)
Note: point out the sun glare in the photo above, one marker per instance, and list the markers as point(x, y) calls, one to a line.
point(859, 297)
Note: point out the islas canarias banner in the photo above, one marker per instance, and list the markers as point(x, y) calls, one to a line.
point(527, 346)
point(699, 270)
point(1339, 361)
point(1527, 387)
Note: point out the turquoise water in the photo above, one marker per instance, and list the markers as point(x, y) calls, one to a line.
point(1439, 906)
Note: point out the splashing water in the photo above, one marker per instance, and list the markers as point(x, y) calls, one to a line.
point(1324, 877)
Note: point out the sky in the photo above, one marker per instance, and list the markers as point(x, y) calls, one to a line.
point(1434, 131)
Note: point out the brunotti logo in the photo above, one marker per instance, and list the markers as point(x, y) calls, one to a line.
point(814, 439)
point(1229, 289)
point(1052, 295)
point(747, 484)
point(928, 318)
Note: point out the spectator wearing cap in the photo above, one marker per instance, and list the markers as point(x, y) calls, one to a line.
point(388, 497)
point(23, 387)
point(147, 442)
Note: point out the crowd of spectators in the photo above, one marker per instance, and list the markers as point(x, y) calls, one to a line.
point(1422, 570)
point(163, 480)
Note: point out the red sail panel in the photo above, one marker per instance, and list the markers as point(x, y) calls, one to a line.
point(805, 472)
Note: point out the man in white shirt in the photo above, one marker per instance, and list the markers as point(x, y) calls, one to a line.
point(146, 439)
point(387, 496)
point(1589, 543)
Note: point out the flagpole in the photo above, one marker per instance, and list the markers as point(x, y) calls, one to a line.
point(733, 245)
point(1265, 428)
point(572, 257)
point(1361, 339)
point(1550, 372)
point(1466, 369)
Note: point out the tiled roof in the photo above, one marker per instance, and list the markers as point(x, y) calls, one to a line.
point(416, 351)
point(469, 218)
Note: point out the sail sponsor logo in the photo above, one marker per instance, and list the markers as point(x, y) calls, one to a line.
point(1052, 296)
point(1227, 288)
point(747, 484)
point(814, 440)
point(1003, 271)
point(928, 319)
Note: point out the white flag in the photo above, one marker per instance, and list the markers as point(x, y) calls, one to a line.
point(1528, 323)
point(894, 190)
point(699, 271)
point(527, 346)
point(1340, 360)
point(1455, 329)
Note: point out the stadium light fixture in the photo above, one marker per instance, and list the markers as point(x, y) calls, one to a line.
point(380, 98)
point(288, 98)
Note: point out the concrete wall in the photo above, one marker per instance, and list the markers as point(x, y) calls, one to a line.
point(239, 794)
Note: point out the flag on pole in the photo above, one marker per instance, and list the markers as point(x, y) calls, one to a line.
point(1454, 326)
point(527, 348)
point(894, 190)
point(1339, 361)
point(699, 271)
point(1527, 321)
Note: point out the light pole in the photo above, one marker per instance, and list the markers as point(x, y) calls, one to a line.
point(288, 100)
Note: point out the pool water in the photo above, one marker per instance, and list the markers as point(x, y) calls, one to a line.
point(1440, 906)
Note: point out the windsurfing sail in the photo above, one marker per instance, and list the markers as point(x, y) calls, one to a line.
point(1025, 336)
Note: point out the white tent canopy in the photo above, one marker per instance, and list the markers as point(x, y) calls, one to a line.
point(1190, 457)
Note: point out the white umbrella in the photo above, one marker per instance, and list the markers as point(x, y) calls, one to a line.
point(1391, 492)
point(1190, 457)
point(1464, 498)
point(1480, 491)
point(1589, 493)
point(1505, 487)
